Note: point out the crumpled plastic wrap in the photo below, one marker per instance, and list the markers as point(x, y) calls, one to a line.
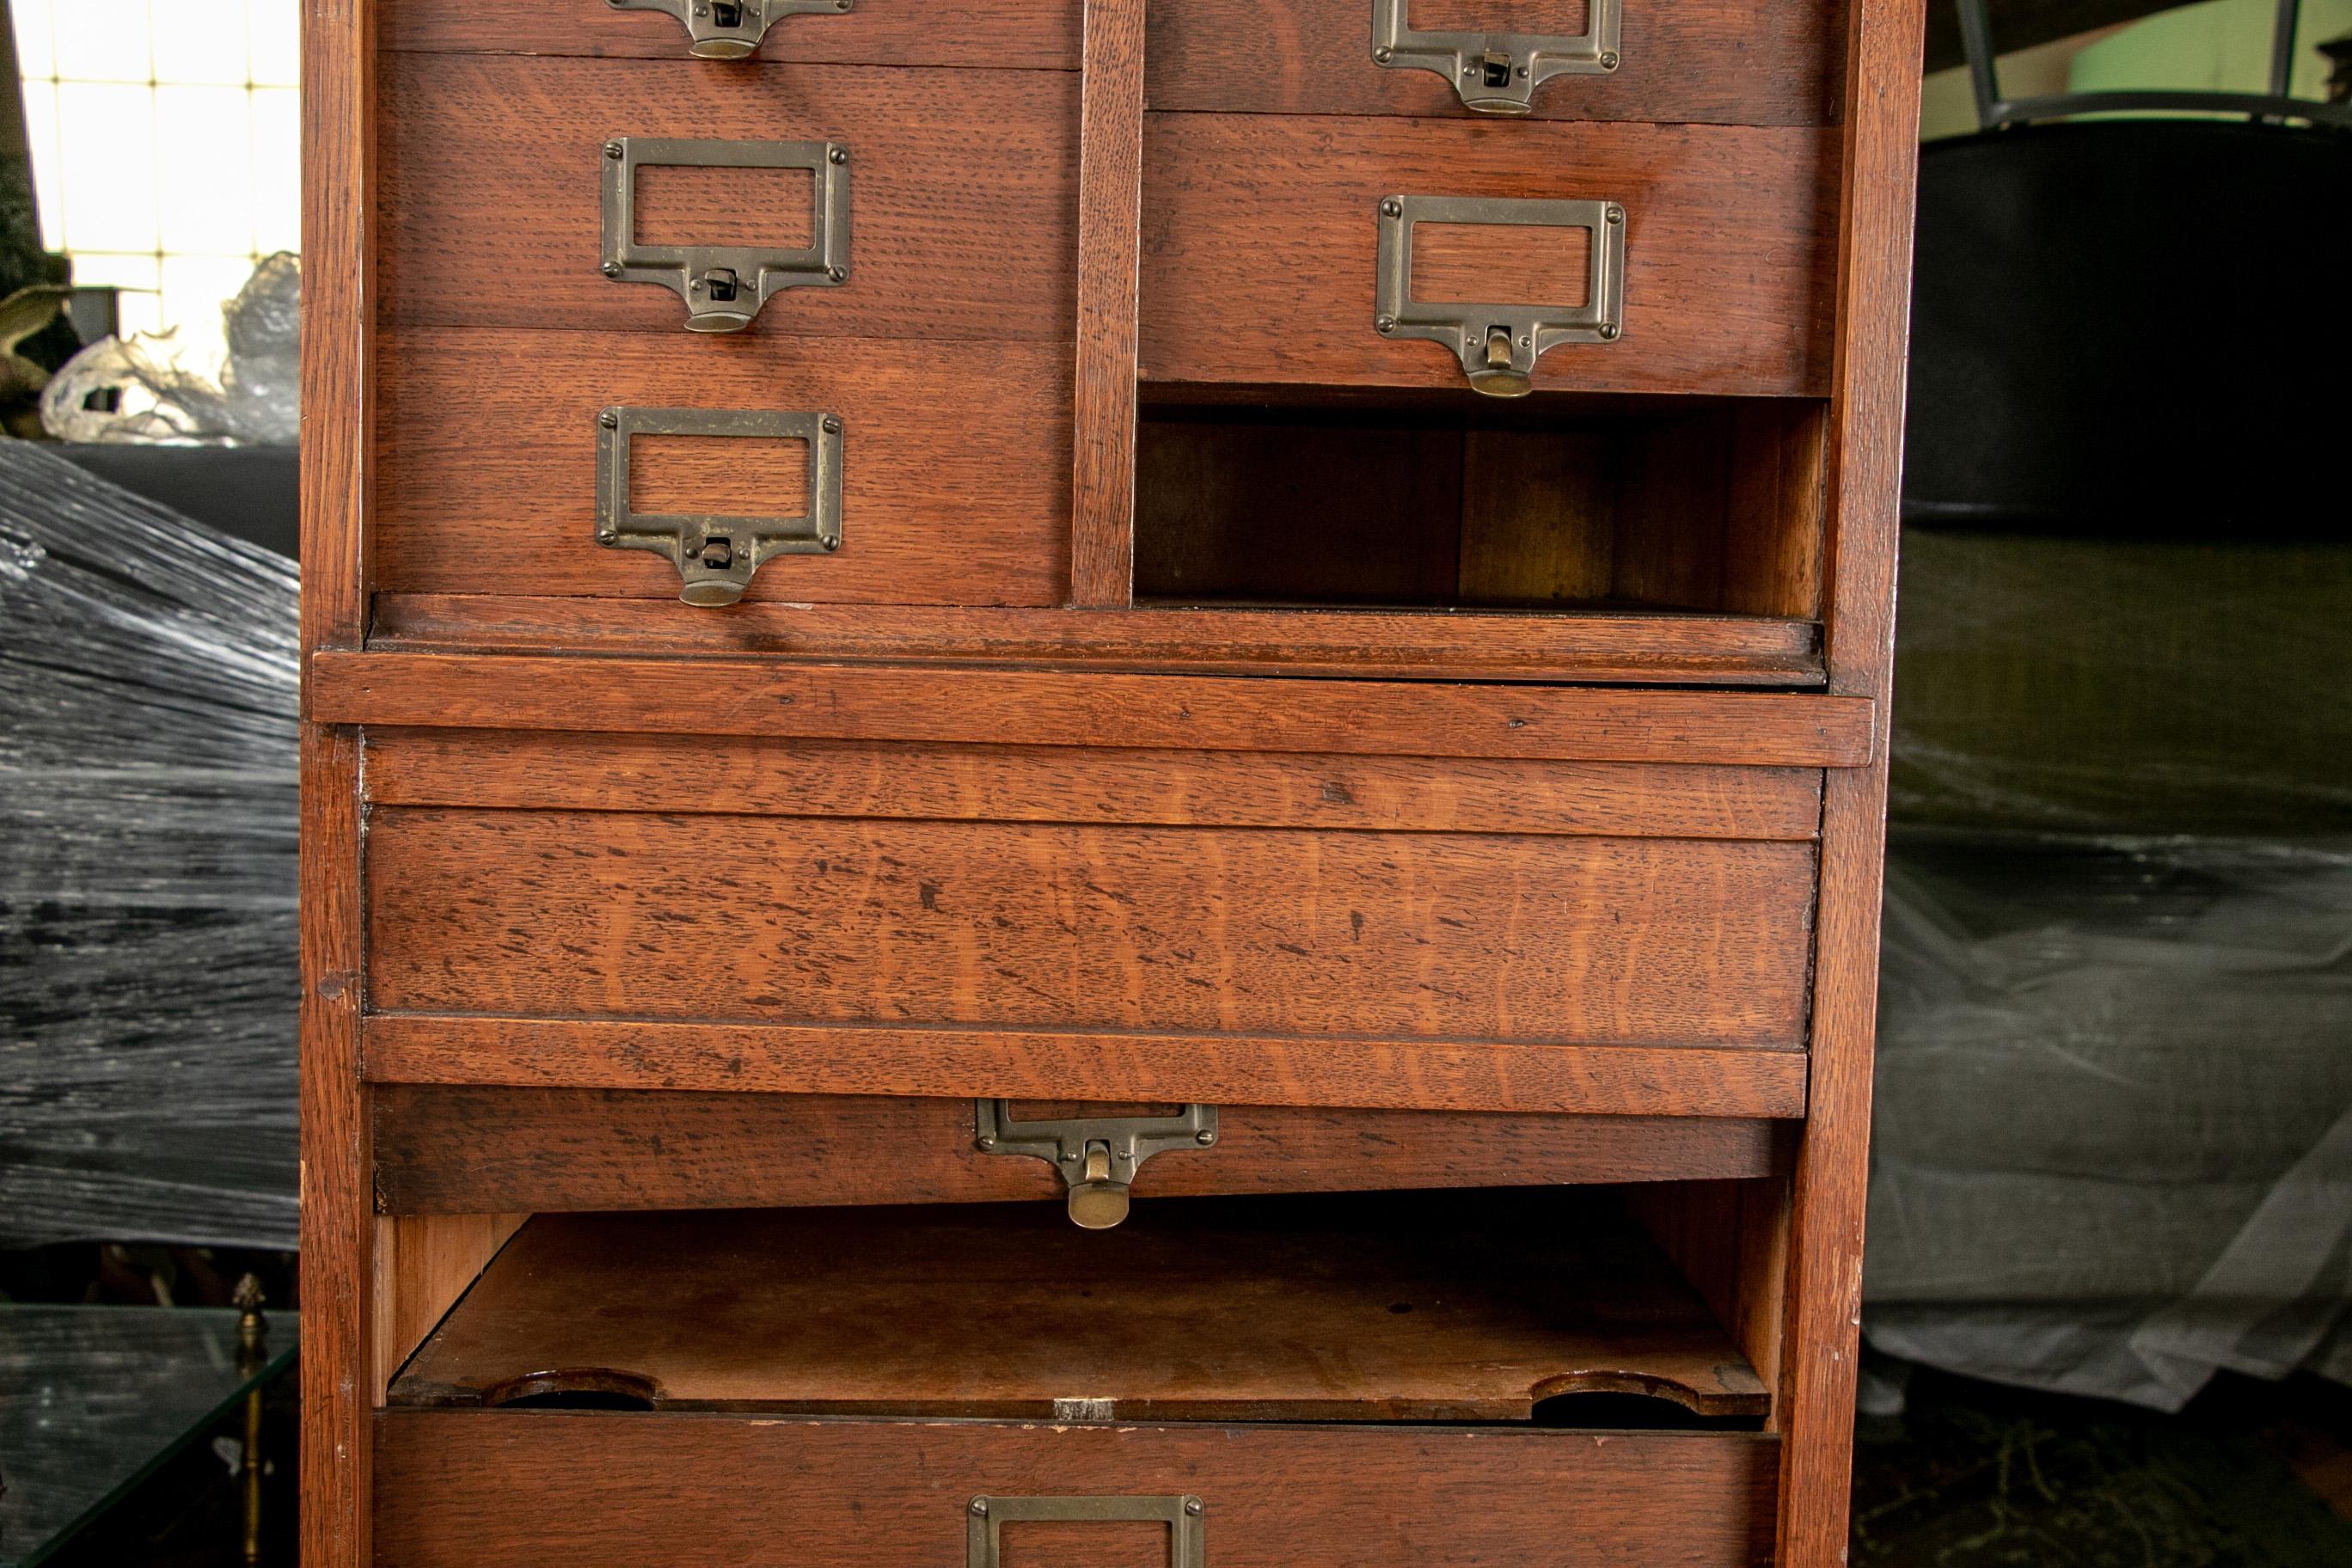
point(241, 391)
point(2113, 1145)
point(148, 959)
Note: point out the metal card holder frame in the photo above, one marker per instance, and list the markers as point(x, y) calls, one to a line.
point(716, 554)
point(1497, 73)
point(1098, 1155)
point(985, 1517)
point(729, 29)
point(1499, 344)
point(724, 285)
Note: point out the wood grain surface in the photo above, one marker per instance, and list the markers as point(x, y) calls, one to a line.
point(423, 1264)
point(815, 921)
point(1102, 540)
point(1723, 61)
point(739, 697)
point(449, 1149)
point(1207, 1309)
point(545, 1490)
point(1695, 1079)
point(486, 463)
point(1012, 35)
point(1822, 1333)
point(1610, 647)
point(963, 194)
point(522, 769)
point(1260, 240)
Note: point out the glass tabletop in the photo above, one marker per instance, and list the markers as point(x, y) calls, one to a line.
point(92, 1399)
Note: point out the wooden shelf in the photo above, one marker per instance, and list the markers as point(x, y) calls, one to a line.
point(1467, 1306)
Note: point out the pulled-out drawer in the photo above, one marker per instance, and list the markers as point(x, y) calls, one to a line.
point(1053, 922)
point(724, 1388)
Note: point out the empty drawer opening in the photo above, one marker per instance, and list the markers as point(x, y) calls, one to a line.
point(1546, 1308)
point(1554, 503)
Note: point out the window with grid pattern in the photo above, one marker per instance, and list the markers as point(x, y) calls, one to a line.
point(166, 145)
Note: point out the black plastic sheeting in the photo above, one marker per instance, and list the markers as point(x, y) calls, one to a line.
point(149, 681)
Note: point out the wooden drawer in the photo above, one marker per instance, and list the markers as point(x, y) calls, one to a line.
point(546, 1490)
point(1014, 33)
point(1261, 241)
point(1048, 921)
point(1732, 62)
point(736, 1336)
point(963, 195)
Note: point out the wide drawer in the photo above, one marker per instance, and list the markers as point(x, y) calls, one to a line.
point(961, 196)
point(1261, 256)
point(854, 916)
point(457, 1489)
point(1732, 62)
point(1016, 34)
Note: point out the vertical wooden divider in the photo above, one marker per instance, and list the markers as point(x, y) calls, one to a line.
point(1110, 202)
point(1822, 1340)
point(338, 1165)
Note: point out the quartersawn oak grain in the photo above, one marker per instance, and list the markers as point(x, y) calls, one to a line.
point(1058, 783)
point(1102, 559)
point(1260, 242)
point(1018, 35)
point(537, 1489)
point(1207, 1309)
point(1039, 926)
point(486, 463)
point(453, 1149)
point(739, 697)
point(1721, 61)
point(963, 194)
point(1592, 647)
point(1691, 1078)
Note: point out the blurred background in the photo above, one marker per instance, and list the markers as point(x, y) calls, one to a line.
point(2111, 1213)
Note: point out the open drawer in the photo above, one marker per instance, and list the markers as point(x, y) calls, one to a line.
point(1389, 1382)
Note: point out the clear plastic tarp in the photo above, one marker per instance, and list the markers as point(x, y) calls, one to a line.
point(2114, 1127)
point(148, 969)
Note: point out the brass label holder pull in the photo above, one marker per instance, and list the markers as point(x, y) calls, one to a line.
point(730, 30)
point(1097, 1156)
point(1497, 73)
point(724, 285)
point(715, 555)
point(1499, 343)
point(986, 1516)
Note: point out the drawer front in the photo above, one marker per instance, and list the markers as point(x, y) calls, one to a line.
point(1728, 62)
point(961, 194)
point(486, 463)
point(1015, 34)
point(466, 1148)
point(901, 919)
point(1261, 250)
point(608, 1490)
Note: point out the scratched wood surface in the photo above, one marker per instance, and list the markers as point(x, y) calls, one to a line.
point(453, 1148)
point(1260, 240)
point(955, 479)
point(1040, 35)
point(750, 919)
point(1730, 62)
point(722, 775)
point(1213, 1308)
point(964, 194)
point(545, 1490)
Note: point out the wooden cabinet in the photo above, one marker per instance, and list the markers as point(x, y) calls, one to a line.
point(1073, 640)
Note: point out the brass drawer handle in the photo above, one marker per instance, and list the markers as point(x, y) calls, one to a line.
point(1098, 1156)
point(716, 554)
point(985, 1517)
point(729, 29)
point(1497, 73)
point(724, 285)
point(1499, 343)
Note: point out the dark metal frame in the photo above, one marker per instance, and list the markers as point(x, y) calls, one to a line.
point(1995, 112)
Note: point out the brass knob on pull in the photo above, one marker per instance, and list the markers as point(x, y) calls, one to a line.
point(1098, 1200)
